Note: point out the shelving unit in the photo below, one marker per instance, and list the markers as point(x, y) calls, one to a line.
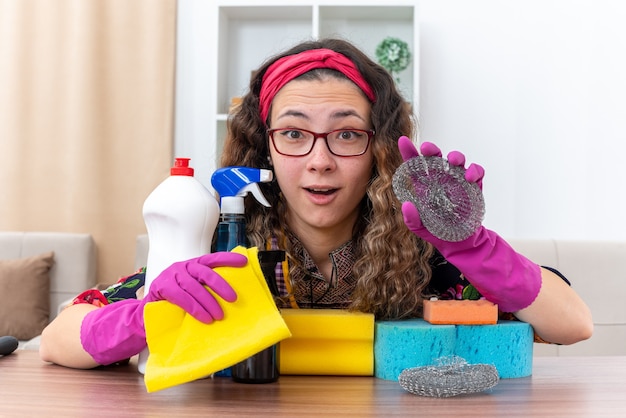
point(220, 42)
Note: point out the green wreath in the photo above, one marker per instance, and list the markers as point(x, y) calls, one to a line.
point(393, 54)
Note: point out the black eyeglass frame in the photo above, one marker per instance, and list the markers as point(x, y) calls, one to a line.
point(369, 132)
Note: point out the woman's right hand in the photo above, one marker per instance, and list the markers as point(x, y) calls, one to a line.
point(183, 284)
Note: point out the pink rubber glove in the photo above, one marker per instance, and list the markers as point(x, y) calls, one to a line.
point(497, 271)
point(116, 331)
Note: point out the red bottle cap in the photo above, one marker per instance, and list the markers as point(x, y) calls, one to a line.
point(181, 167)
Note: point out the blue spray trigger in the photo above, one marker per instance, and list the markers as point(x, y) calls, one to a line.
point(234, 183)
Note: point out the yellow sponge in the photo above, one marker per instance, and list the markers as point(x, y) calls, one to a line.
point(328, 342)
point(460, 312)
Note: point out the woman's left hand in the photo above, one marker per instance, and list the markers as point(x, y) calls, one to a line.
point(498, 272)
point(474, 173)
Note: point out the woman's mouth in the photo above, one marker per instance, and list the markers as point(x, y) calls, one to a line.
point(321, 191)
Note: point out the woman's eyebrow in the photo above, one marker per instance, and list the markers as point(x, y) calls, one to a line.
point(342, 114)
point(294, 113)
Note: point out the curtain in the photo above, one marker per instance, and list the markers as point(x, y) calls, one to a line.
point(86, 118)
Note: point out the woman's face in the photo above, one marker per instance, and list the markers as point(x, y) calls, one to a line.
point(322, 191)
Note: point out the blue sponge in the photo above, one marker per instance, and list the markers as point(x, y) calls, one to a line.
point(409, 343)
point(403, 344)
point(508, 345)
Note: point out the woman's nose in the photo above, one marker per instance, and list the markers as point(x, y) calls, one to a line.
point(320, 157)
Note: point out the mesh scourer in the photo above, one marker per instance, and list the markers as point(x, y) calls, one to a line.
point(451, 376)
point(450, 207)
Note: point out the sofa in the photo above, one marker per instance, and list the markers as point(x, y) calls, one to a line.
point(593, 267)
point(72, 270)
point(595, 271)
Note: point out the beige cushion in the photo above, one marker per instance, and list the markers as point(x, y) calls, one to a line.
point(24, 295)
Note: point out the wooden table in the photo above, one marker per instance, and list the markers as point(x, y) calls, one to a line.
point(559, 386)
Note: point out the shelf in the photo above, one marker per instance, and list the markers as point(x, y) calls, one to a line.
point(249, 35)
point(223, 41)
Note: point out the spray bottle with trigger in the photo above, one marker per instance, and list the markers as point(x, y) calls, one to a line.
point(233, 184)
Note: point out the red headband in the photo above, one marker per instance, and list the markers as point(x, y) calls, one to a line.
point(287, 68)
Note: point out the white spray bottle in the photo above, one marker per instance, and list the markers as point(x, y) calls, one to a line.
point(180, 216)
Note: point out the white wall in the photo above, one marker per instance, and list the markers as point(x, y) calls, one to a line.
point(535, 91)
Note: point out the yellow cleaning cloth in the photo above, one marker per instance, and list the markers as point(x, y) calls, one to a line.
point(183, 349)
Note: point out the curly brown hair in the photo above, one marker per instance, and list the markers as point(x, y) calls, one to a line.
point(392, 265)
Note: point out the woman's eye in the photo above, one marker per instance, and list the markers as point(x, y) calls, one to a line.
point(347, 135)
point(292, 134)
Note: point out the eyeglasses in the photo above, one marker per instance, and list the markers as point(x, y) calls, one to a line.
point(296, 142)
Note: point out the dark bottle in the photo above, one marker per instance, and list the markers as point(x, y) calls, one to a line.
point(262, 367)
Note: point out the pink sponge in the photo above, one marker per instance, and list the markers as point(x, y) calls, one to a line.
point(456, 312)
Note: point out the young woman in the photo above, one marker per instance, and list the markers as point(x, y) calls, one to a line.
point(333, 127)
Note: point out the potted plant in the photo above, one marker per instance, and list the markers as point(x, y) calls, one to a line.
point(394, 55)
